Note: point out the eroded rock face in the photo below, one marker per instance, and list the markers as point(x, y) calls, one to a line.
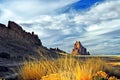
point(17, 42)
point(17, 46)
point(79, 49)
point(14, 31)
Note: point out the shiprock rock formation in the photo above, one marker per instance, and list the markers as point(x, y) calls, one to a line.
point(17, 45)
point(79, 49)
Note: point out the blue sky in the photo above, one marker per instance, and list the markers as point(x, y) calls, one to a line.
point(59, 23)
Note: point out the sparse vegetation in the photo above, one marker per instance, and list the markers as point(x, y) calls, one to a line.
point(66, 69)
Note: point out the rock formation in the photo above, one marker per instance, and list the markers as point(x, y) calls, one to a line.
point(79, 49)
point(14, 31)
point(17, 42)
point(17, 45)
point(59, 51)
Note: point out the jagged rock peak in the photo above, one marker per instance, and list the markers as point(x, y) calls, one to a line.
point(12, 25)
point(2, 25)
point(77, 45)
point(79, 49)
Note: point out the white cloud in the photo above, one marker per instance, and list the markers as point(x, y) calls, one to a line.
point(106, 11)
point(27, 9)
point(6, 15)
point(93, 27)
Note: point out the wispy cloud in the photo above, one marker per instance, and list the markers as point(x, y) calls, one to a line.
point(97, 28)
point(90, 27)
point(27, 9)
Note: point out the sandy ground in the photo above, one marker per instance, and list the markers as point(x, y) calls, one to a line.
point(114, 63)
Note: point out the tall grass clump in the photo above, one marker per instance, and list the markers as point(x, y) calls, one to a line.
point(65, 68)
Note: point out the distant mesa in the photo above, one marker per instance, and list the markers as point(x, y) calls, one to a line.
point(79, 49)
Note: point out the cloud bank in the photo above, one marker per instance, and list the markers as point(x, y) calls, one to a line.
point(97, 28)
point(27, 9)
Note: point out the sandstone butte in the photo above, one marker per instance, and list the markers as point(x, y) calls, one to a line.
point(79, 49)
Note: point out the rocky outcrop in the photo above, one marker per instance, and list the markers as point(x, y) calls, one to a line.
point(79, 49)
point(57, 50)
point(15, 32)
point(17, 45)
point(17, 42)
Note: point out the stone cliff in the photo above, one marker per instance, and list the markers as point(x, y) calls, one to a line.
point(17, 42)
point(79, 49)
point(17, 45)
point(15, 32)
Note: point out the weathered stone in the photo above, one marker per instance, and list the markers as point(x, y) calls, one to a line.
point(57, 50)
point(2, 25)
point(14, 31)
point(14, 26)
point(18, 42)
point(79, 49)
point(17, 45)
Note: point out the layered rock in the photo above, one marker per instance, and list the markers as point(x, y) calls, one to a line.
point(79, 49)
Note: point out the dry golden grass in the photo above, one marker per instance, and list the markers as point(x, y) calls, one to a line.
point(66, 68)
point(114, 63)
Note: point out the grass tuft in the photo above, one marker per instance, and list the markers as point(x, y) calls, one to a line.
point(67, 68)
